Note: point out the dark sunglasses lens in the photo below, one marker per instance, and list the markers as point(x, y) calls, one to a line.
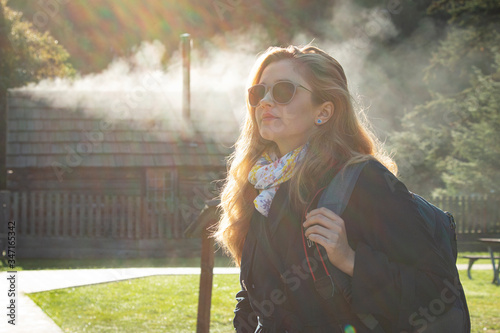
point(256, 94)
point(283, 92)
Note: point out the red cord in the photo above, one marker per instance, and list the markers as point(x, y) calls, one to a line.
point(305, 251)
point(324, 266)
point(304, 242)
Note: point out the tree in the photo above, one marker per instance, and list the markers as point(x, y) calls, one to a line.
point(97, 31)
point(472, 166)
point(449, 144)
point(26, 55)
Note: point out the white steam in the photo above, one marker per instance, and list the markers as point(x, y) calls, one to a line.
point(141, 87)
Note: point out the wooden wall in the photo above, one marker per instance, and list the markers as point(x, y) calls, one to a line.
point(57, 224)
point(105, 210)
point(126, 181)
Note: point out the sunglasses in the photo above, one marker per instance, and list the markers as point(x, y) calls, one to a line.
point(282, 92)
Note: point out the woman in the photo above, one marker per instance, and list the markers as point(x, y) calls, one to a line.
point(301, 130)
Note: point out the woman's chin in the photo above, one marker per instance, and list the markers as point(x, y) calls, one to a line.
point(267, 135)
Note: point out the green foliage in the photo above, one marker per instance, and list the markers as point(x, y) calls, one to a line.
point(449, 144)
point(472, 166)
point(105, 29)
point(451, 66)
point(27, 55)
point(465, 12)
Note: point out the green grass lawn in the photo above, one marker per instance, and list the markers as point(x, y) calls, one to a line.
point(483, 299)
point(169, 304)
point(151, 304)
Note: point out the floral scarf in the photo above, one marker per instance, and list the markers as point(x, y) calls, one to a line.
point(269, 172)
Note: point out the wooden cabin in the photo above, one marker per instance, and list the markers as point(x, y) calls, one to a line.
point(76, 173)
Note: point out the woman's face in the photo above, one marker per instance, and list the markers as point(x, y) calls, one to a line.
point(293, 123)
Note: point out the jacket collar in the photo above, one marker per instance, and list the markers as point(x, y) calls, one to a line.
point(277, 213)
point(248, 250)
point(280, 208)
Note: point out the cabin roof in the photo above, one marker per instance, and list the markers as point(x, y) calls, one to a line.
point(41, 135)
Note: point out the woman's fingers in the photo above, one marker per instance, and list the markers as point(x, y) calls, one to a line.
point(323, 211)
point(322, 231)
point(322, 221)
point(326, 228)
point(325, 218)
point(330, 240)
point(321, 240)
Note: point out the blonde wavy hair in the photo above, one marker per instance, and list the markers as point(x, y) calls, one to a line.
point(344, 139)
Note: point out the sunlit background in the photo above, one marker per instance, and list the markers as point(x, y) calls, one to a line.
point(399, 56)
point(101, 163)
point(425, 74)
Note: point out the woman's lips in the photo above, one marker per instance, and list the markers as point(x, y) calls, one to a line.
point(268, 117)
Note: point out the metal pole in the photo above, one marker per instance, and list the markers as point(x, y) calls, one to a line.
point(186, 59)
point(206, 281)
point(3, 140)
point(4, 193)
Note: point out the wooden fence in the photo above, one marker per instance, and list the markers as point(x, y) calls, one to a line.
point(473, 214)
point(58, 214)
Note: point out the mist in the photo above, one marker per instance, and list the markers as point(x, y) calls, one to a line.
point(141, 87)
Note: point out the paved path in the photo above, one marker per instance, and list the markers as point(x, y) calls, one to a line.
point(30, 318)
point(36, 281)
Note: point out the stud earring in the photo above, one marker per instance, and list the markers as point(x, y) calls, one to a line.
point(319, 121)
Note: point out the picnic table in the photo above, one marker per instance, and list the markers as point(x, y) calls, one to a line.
point(493, 245)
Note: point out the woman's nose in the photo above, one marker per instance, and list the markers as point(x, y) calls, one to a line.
point(267, 99)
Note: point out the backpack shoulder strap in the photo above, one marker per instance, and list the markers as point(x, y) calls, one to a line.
point(336, 197)
point(337, 194)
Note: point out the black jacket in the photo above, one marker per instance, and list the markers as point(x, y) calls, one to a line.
point(398, 278)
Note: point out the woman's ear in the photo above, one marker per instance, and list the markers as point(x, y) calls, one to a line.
point(324, 112)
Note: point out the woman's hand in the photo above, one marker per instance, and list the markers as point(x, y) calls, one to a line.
point(327, 229)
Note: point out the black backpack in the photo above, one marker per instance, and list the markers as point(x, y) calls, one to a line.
point(440, 225)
